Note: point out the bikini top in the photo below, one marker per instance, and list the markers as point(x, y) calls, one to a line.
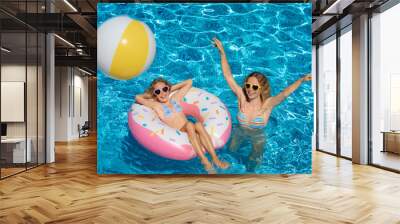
point(168, 112)
point(257, 123)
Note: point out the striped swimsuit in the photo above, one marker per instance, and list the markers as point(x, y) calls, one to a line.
point(256, 123)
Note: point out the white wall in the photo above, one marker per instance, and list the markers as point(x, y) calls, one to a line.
point(71, 94)
point(13, 101)
point(10, 73)
point(16, 73)
point(62, 82)
point(13, 72)
point(81, 114)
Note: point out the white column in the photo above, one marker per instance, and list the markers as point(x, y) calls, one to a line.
point(62, 103)
point(50, 93)
point(360, 90)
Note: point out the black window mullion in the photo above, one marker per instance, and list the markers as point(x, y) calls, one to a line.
point(45, 94)
point(338, 74)
point(37, 90)
point(45, 87)
point(369, 95)
point(73, 92)
point(316, 96)
point(26, 87)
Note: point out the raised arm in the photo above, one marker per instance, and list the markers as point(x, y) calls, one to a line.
point(226, 70)
point(146, 100)
point(181, 88)
point(275, 100)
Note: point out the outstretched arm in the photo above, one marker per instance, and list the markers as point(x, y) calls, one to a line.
point(226, 70)
point(275, 100)
point(182, 88)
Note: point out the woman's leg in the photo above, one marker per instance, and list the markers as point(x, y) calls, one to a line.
point(189, 128)
point(237, 139)
point(256, 156)
point(207, 143)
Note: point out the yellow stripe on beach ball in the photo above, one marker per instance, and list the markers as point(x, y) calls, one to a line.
point(126, 47)
point(132, 51)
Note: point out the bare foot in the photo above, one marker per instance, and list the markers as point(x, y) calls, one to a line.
point(209, 168)
point(221, 164)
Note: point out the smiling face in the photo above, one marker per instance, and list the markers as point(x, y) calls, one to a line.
point(161, 92)
point(253, 88)
point(256, 85)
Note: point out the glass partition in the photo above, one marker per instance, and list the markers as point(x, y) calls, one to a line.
point(327, 96)
point(14, 153)
point(32, 96)
point(346, 93)
point(22, 77)
point(385, 89)
point(41, 107)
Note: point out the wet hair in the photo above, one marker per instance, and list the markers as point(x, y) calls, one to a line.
point(150, 90)
point(264, 85)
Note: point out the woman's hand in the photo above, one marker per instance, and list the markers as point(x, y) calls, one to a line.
point(217, 43)
point(307, 77)
point(275, 100)
point(226, 69)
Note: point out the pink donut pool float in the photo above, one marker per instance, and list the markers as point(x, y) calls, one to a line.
point(171, 143)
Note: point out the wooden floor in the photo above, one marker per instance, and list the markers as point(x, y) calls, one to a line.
point(8, 171)
point(387, 159)
point(5, 172)
point(70, 191)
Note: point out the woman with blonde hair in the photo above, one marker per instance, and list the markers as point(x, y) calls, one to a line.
point(255, 105)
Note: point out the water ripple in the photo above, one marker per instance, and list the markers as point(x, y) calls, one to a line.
point(274, 39)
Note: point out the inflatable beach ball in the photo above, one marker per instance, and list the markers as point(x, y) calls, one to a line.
point(125, 47)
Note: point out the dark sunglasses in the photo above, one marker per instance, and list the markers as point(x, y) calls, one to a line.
point(248, 86)
point(158, 91)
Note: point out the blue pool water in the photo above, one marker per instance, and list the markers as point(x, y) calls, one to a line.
point(274, 39)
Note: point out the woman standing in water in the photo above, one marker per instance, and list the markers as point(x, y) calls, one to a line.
point(255, 105)
point(168, 108)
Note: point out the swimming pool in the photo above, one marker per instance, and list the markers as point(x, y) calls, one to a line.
point(274, 39)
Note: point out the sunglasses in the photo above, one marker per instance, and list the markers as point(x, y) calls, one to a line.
point(158, 91)
point(255, 87)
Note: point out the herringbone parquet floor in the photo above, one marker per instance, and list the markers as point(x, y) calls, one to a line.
point(70, 191)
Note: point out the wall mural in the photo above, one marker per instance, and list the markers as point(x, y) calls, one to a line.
point(204, 88)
